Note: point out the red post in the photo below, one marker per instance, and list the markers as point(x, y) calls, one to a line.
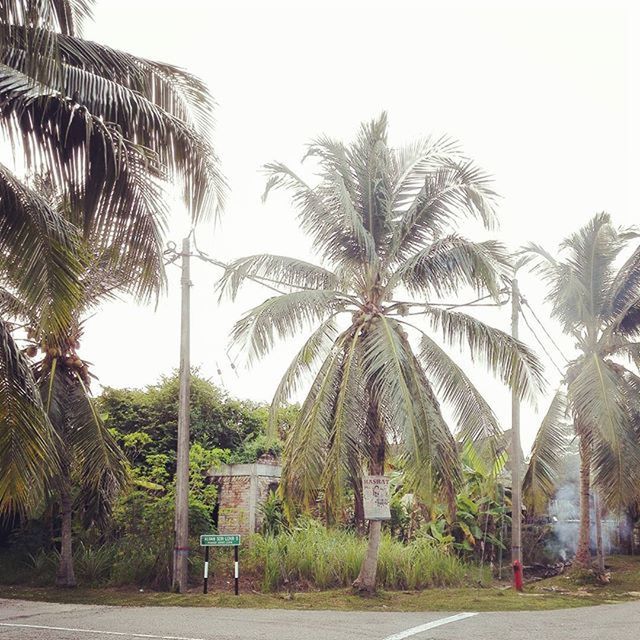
point(517, 575)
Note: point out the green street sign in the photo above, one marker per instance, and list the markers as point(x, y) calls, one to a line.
point(214, 540)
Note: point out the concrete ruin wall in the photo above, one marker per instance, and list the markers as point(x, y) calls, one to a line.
point(242, 489)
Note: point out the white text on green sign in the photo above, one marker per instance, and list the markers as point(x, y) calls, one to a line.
point(214, 540)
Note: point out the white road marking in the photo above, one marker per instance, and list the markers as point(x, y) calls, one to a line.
point(429, 625)
point(106, 633)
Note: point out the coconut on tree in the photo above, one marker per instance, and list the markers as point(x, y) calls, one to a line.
point(384, 223)
point(595, 295)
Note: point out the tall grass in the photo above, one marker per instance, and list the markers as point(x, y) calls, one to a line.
point(324, 558)
point(309, 556)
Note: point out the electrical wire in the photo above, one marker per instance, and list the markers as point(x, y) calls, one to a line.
point(535, 335)
point(553, 342)
point(222, 265)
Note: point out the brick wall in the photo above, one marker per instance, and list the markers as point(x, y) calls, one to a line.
point(233, 513)
point(242, 489)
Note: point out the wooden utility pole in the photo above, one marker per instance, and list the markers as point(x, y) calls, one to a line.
point(181, 547)
point(516, 454)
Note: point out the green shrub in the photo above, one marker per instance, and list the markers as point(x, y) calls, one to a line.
point(93, 565)
point(272, 512)
point(42, 566)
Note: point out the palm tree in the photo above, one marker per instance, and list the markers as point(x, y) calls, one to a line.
point(383, 222)
point(88, 455)
point(39, 265)
point(597, 302)
point(111, 130)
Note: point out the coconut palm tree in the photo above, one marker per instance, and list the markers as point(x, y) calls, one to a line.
point(597, 301)
point(383, 222)
point(90, 462)
point(111, 130)
point(39, 266)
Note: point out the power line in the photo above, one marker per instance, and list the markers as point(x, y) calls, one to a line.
point(553, 342)
point(535, 335)
point(205, 257)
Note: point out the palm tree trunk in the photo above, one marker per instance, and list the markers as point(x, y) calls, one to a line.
point(583, 555)
point(65, 576)
point(599, 545)
point(366, 580)
point(358, 507)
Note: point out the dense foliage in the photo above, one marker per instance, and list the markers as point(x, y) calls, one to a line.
point(143, 423)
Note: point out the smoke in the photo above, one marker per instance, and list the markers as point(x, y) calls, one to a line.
point(564, 511)
point(565, 522)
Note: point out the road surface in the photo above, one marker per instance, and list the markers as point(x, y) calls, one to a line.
point(21, 620)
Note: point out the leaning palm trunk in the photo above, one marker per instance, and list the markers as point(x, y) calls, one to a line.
point(65, 576)
point(583, 554)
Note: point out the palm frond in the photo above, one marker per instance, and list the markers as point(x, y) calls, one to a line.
point(38, 255)
point(40, 21)
point(327, 225)
point(616, 476)
point(371, 162)
point(452, 191)
point(101, 464)
point(304, 456)
point(580, 285)
point(28, 446)
point(315, 348)
point(547, 455)
point(282, 317)
point(598, 397)
point(616, 465)
point(48, 119)
point(288, 272)
point(345, 442)
point(414, 162)
point(476, 421)
point(447, 264)
point(406, 398)
point(512, 361)
point(66, 16)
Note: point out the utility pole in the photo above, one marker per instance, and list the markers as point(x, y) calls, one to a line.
point(181, 547)
point(516, 455)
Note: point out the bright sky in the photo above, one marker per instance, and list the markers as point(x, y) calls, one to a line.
point(541, 95)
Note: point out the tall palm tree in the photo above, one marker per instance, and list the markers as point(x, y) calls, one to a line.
point(89, 459)
point(383, 222)
point(111, 130)
point(597, 301)
point(39, 266)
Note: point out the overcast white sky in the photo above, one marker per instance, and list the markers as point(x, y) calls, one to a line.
point(542, 95)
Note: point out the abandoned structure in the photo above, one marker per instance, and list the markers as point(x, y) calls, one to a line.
point(242, 488)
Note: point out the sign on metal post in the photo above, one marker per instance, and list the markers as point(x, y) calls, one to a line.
point(375, 498)
point(208, 540)
point(215, 540)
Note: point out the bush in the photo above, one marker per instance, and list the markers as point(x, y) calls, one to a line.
point(93, 565)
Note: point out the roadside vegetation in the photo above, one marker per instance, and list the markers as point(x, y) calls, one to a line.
point(87, 483)
point(555, 593)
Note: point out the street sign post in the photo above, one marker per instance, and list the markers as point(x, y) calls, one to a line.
point(209, 540)
point(215, 540)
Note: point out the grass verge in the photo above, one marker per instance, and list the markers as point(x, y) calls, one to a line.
point(554, 593)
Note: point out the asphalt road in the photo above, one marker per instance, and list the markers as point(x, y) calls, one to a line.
point(21, 620)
